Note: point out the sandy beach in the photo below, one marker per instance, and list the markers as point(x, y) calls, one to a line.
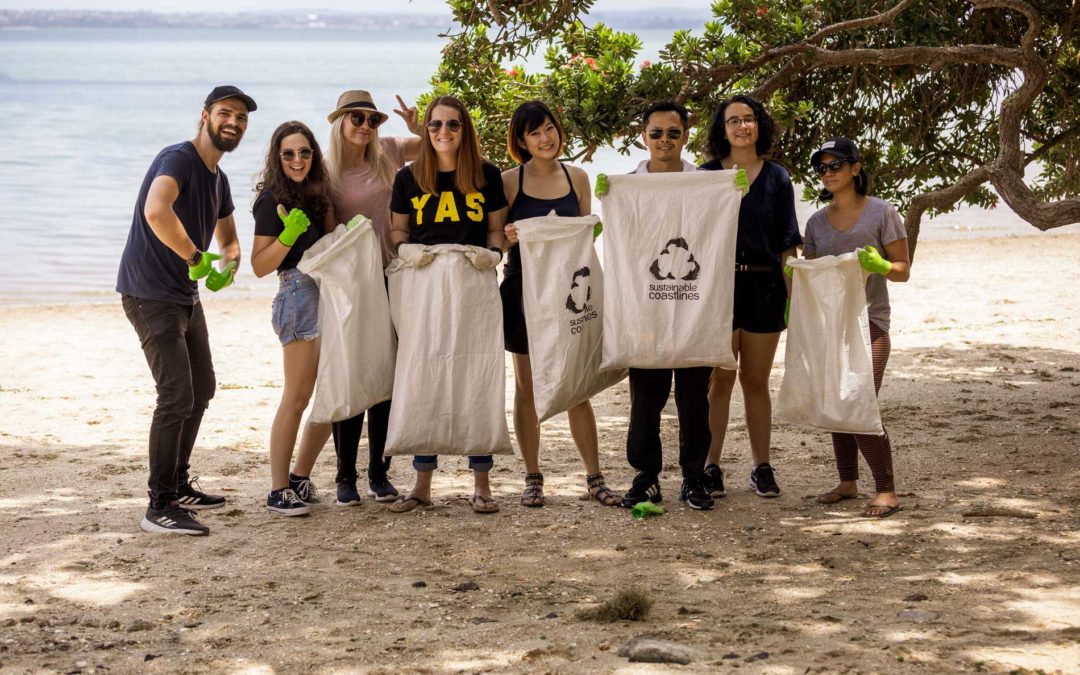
point(979, 573)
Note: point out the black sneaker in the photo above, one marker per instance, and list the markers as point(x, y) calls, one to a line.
point(304, 489)
point(714, 480)
point(347, 494)
point(645, 488)
point(170, 518)
point(695, 495)
point(285, 502)
point(763, 481)
point(382, 490)
point(192, 498)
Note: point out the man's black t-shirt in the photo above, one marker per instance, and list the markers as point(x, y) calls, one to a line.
point(148, 268)
point(268, 224)
point(449, 217)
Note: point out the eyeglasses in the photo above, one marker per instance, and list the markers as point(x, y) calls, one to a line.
point(736, 122)
point(672, 133)
point(374, 119)
point(833, 166)
point(290, 155)
point(453, 126)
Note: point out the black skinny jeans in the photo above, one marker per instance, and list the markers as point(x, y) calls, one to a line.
point(649, 391)
point(347, 443)
point(177, 349)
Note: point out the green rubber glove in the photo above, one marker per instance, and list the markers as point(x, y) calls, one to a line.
point(788, 271)
point(872, 261)
point(215, 281)
point(601, 185)
point(787, 312)
point(742, 181)
point(296, 223)
point(205, 266)
point(643, 509)
point(354, 221)
point(597, 230)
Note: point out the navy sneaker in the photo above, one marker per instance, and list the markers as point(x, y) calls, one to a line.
point(714, 480)
point(645, 488)
point(382, 490)
point(170, 518)
point(763, 481)
point(192, 498)
point(695, 495)
point(285, 502)
point(347, 494)
point(304, 489)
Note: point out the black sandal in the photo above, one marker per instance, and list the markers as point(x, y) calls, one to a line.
point(533, 496)
point(599, 490)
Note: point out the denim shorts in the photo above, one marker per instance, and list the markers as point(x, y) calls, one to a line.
point(296, 307)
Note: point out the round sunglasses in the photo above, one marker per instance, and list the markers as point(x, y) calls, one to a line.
point(290, 155)
point(373, 119)
point(453, 126)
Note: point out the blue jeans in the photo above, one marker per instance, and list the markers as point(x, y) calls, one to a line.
point(478, 463)
point(296, 307)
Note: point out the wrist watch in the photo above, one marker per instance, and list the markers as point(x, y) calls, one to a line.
point(195, 258)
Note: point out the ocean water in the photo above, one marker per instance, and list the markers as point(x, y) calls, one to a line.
point(85, 111)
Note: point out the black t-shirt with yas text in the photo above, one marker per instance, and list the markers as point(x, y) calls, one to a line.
point(448, 217)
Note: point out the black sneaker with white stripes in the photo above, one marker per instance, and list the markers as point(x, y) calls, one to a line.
point(714, 480)
point(645, 488)
point(191, 497)
point(763, 481)
point(304, 489)
point(695, 495)
point(285, 502)
point(170, 518)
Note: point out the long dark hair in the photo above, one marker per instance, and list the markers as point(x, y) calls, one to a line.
point(470, 162)
point(719, 146)
point(312, 194)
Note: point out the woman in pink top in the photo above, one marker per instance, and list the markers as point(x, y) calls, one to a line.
point(362, 167)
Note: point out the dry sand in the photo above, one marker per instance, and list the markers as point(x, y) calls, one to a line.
point(981, 395)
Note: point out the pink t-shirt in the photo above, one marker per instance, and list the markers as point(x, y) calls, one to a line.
point(363, 192)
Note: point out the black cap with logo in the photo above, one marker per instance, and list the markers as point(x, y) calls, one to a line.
point(840, 148)
point(228, 91)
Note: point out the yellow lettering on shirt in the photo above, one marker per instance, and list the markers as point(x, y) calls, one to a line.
point(418, 207)
point(447, 208)
point(475, 200)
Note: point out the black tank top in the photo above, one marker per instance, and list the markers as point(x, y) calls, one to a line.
point(525, 206)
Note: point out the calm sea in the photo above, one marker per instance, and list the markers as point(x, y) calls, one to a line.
point(85, 111)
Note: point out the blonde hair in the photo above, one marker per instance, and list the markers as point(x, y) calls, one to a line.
point(373, 156)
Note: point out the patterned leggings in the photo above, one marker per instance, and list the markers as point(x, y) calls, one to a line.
point(876, 449)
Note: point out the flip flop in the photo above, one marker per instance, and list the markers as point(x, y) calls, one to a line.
point(889, 510)
point(832, 497)
point(406, 504)
point(483, 504)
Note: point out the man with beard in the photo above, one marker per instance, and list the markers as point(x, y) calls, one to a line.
point(184, 202)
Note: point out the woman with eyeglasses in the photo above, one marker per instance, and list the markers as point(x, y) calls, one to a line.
point(292, 211)
point(740, 136)
point(449, 195)
point(854, 221)
point(541, 184)
point(362, 166)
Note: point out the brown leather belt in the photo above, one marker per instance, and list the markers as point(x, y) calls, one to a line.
point(753, 268)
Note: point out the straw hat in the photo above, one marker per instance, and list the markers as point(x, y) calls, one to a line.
point(351, 100)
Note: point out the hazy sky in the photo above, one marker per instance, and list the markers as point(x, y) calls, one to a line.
point(420, 6)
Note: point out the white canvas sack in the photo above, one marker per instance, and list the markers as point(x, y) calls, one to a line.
point(828, 371)
point(669, 265)
point(450, 388)
point(357, 344)
point(564, 309)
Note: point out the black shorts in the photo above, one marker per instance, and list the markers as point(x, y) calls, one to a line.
point(760, 298)
point(515, 336)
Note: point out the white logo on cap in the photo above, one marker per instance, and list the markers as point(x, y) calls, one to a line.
point(827, 145)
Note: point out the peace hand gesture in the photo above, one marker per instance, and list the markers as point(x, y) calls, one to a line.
point(411, 116)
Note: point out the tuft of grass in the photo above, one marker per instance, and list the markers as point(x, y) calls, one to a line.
point(632, 604)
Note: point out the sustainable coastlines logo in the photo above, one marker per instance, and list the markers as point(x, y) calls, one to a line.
point(675, 263)
point(578, 300)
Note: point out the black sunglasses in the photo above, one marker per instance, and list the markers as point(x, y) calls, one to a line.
point(834, 166)
point(290, 155)
point(672, 133)
point(374, 119)
point(453, 126)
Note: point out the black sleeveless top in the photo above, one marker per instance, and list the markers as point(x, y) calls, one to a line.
point(525, 206)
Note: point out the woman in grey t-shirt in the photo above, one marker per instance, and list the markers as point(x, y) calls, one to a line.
point(854, 221)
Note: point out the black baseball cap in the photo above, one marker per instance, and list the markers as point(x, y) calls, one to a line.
point(228, 91)
point(840, 148)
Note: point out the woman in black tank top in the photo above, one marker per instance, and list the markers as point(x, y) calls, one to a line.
point(540, 185)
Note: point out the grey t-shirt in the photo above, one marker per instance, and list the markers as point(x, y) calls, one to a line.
point(878, 226)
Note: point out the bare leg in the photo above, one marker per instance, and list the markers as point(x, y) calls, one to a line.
point(755, 363)
point(720, 388)
point(583, 429)
point(526, 425)
point(422, 487)
point(481, 485)
point(300, 359)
